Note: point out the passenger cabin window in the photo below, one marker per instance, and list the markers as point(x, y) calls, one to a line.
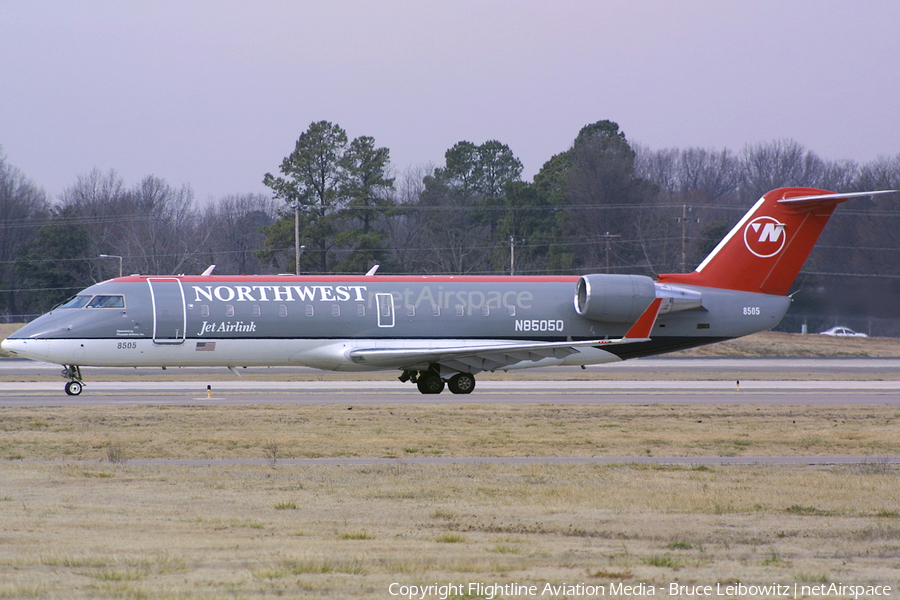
point(282, 310)
point(485, 311)
point(229, 310)
point(460, 310)
point(204, 310)
point(435, 310)
point(335, 310)
point(310, 311)
point(360, 310)
point(107, 302)
point(410, 311)
point(511, 310)
point(256, 311)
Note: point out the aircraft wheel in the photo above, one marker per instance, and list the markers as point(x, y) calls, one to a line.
point(461, 383)
point(430, 383)
point(73, 388)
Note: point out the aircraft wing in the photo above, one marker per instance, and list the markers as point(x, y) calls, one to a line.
point(487, 357)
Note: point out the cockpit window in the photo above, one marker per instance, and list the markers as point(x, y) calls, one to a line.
point(76, 302)
point(107, 302)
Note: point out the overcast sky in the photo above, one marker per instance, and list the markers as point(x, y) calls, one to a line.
point(214, 93)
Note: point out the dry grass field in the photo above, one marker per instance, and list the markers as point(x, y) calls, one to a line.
point(449, 430)
point(105, 530)
point(79, 519)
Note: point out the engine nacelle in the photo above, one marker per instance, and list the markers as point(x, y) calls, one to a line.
point(622, 298)
point(613, 298)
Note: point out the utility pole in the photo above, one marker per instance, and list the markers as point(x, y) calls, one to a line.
point(296, 206)
point(297, 237)
point(512, 254)
point(609, 237)
point(685, 209)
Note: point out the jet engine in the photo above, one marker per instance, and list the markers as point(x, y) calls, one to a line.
point(613, 298)
point(622, 298)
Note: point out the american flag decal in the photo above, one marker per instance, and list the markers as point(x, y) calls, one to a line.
point(206, 346)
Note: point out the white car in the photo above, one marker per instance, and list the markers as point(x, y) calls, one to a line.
point(843, 332)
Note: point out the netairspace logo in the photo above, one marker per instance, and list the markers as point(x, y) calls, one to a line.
point(489, 591)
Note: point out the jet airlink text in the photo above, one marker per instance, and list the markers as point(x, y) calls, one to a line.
point(225, 327)
point(359, 293)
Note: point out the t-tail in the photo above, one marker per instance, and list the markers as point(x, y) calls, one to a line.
point(767, 248)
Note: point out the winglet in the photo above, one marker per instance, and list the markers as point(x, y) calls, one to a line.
point(644, 325)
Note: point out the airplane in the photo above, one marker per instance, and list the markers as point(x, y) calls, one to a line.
point(437, 331)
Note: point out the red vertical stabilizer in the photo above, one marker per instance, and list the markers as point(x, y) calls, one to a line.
point(766, 249)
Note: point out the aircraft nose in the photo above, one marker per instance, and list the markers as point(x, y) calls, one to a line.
point(36, 349)
point(10, 345)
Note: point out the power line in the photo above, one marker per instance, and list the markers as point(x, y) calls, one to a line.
point(32, 222)
point(870, 275)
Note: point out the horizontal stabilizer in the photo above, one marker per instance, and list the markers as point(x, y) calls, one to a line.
point(821, 198)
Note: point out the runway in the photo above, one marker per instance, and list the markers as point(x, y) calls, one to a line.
point(878, 386)
point(724, 366)
point(879, 461)
point(104, 393)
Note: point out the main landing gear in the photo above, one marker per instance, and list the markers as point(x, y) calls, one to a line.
point(431, 382)
point(75, 384)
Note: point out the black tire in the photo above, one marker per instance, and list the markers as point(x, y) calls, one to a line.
point(73, 388)
point(461, 383)
point(430, 383)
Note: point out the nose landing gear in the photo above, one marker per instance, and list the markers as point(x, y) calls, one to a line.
point(75, 384)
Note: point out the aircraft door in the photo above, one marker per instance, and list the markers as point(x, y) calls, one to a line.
point(385, 304)
point(169, 316)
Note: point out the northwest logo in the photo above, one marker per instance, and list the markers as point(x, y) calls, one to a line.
point(764, 237)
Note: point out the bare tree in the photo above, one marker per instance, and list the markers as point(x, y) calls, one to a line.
point(404, 231)
point(778, 164)
point(100, 202)
point(23, 206)
point(162, 239)
point(152, 225)
point(659, 166)
point(232, 230)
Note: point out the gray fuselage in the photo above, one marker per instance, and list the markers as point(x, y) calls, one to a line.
point(195, 320)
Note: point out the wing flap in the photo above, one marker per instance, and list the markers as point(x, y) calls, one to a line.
point(487, 357)
point(499, 354)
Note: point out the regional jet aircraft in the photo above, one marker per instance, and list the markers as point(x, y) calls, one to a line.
point(437, 330)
